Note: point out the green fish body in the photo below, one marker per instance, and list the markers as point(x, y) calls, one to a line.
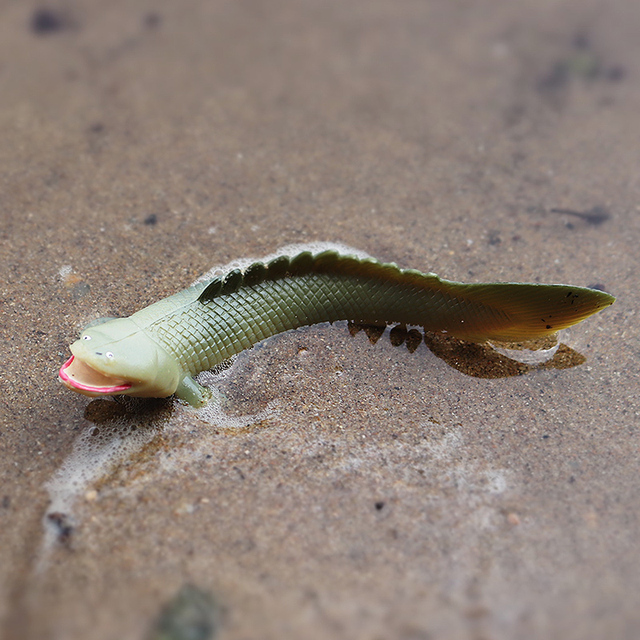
point(158, 350)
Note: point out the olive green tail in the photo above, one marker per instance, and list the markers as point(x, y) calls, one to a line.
point(533, 310)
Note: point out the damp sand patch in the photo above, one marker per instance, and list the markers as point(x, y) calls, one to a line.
point(121, 437)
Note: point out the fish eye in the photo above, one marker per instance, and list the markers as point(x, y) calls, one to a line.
point(109, 355)
point(86, 337)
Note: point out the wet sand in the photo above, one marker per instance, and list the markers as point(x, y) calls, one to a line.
point(339, 488)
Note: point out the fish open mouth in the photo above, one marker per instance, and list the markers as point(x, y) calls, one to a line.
point(79, 376)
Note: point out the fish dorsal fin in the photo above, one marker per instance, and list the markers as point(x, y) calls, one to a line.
point(494, 310)
point(327, 262)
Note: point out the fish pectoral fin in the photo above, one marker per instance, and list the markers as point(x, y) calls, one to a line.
point(193, 393)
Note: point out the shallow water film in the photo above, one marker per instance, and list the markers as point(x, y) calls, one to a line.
point(345, 482)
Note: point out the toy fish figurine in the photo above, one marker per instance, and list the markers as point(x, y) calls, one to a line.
point(157, 351)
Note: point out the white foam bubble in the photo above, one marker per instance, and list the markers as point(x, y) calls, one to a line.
point(531, 357)
point(101, 448)
point(65, 271)
point(213, 412)
point(96, 451)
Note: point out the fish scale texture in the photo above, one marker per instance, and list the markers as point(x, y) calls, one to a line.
point(203, 334)
point(206, 324)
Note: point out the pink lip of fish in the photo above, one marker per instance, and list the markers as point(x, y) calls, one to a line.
point(69, 382)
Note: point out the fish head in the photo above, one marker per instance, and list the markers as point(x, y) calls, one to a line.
point(117, 357)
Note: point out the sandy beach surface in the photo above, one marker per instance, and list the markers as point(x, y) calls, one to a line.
point(335, 488)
